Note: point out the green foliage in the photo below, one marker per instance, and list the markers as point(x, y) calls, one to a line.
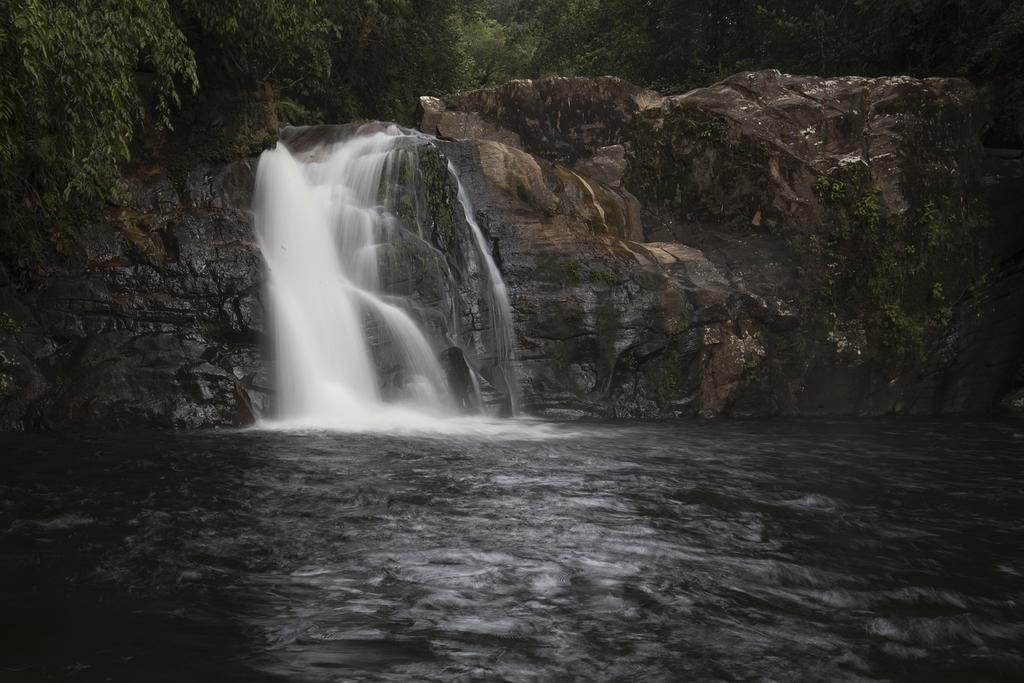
point(79, 77)
point(680, 44)
point(292, 113)
point(1002, 50)
point(899, 332)
point(76, 78)
point(901, 270)
point(650, 280)
point(247, 43)
point(494, 52)
point(830, 188)
point(868, 211)
point(572, 271)
point(384, 54)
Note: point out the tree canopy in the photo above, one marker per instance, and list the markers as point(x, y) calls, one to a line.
point(70, 97)
point(79, 78)
point(685, 43)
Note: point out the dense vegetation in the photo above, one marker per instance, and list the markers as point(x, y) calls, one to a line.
point(79, 79)
point(674, 44)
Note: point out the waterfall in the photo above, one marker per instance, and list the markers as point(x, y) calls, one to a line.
point(498, 303)
point(348, 353)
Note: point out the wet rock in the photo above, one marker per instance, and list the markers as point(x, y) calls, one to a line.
point(436, 119)
point(585, 301)
point(869, 193)
point(607, 166)
point(155, 321)
point(461, 383)
point(839, 245)
point(556, 118)
point(553, 189)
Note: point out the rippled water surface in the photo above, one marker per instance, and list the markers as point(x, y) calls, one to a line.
point(690, 550)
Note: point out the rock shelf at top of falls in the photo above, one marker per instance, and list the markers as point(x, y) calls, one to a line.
point(768, 245)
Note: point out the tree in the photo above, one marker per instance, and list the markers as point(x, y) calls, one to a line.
point(385, 53)
point(246, 43)
point(70, 100)
point(494, 52)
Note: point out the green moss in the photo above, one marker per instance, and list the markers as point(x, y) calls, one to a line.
point(553, 269)
point(649, 280)
point(867, 258)
point(8, 324)
point(405, 211)
point(572, 271)
point(695, 161)
point(868, 262)
point(705, 127)
point(439, 195)
point(604, 277)
point(446, 224)
point(665, 375)
point(675, 327)
point(406, 168)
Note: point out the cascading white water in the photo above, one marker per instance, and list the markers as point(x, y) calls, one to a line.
point(498, 302)
point(322, 225)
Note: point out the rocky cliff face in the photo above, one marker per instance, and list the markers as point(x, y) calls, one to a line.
point(806, 245)
point(768, 245)
point(152, 319)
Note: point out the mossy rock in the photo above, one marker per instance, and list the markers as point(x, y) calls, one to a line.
point(441, 198)
point(552, 269)
point(700, 164)
point(602, 276)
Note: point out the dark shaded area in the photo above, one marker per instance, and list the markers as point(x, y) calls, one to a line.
point(122, 560)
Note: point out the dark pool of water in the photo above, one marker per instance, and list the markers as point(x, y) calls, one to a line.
point(691, 550)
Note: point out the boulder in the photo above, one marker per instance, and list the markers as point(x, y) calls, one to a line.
point(557, 118)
